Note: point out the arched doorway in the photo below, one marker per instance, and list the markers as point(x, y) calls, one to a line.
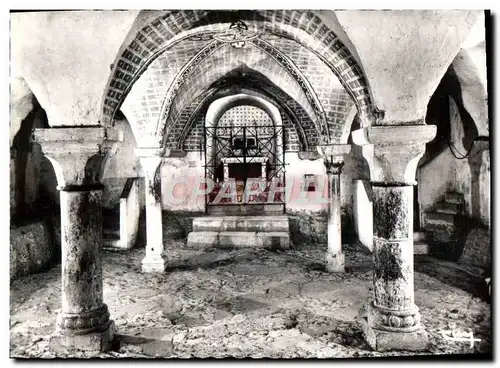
point(244, 156)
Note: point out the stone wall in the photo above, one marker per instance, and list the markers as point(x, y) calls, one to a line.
point(477, 249)
point(432, 187)
point(34, 247)
point(32, 179)
point(448, 172)
point(122, 165)
point(307, 228)
point(192, 167)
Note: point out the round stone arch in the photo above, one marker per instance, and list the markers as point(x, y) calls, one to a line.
point(217, 93)
point(218, 107)
point(306, 28)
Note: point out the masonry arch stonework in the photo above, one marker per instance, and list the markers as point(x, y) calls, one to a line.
point(304, 27)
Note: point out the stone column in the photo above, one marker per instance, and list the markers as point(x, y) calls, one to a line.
point(155, 260)
point(279, 159)
point(78, 156)
point(210, 149)
point(334, 161)
point(392, 320)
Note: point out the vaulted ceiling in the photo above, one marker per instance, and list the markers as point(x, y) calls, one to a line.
point(81, 65)
point(157, 86)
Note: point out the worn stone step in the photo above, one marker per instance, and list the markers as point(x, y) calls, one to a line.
point(446, 211)
point(111, 232)
point(255, 209)
point(438, 217)
point(456, 207)
point(238, 239)
point(110, 240)
point(420, 247)
point(418, 236)
point(202, 239)
point(244, 239)
point(241, 223)
point(454, 197)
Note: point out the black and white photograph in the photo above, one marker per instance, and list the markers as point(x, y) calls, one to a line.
point(255, 184)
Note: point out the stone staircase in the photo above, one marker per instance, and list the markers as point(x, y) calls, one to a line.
point(420, 245)
point(447, 210)
point(443, 227)
point(110, 227)
point(270, 232)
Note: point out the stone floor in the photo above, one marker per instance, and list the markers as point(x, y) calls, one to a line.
point(241, 303)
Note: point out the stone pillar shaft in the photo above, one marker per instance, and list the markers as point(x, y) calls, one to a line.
point(153, 219)
point(393, 246)
point(154, 260)
point(78, 156)
point(81, 235)
point(334, 162)
point(392, 320)
point(334, 217)
point(335, 256)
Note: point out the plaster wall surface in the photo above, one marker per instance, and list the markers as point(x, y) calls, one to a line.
point(65, 58)
point(472, 174)
point(363, 212)
point(20, 104)
point(188, 170)
point(32, 181)
point(470, 69)
point(120, 166)
point(434, 179)
point(178, 179)
point(469, 176)
point(407, 56)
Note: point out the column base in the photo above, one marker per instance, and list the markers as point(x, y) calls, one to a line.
point(68, 341)
point(384, 338)
point(154, 263)
point(335, 262)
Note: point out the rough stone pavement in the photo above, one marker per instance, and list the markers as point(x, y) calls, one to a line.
point(241, 303)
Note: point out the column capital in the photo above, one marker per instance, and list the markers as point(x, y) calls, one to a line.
point(334, 164)
point(333, 156)
point(393, 152)
point(151, 164)
point(77, 154)
point(336, 150)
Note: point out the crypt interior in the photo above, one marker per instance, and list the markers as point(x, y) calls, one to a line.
point(360, 136)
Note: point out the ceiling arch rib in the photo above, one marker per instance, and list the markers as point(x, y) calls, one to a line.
point(218, 92)
point(217, 65)
point(221, 105)
point(302, 26)
point(301, 79)
point(183, 74)
point(142, 104)
point(335, 100)
point(277, 55)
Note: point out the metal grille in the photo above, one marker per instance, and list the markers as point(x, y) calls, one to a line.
point(228, 148)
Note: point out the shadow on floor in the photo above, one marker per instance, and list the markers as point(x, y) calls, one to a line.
point(454, 274)
point(150, 347)
point(210, 260)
